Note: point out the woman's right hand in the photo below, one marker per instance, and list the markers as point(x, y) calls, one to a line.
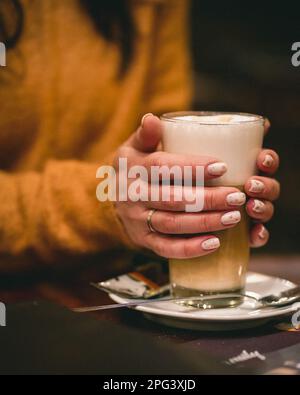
point(178, 234)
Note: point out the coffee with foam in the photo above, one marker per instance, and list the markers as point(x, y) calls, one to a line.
point(235, 139)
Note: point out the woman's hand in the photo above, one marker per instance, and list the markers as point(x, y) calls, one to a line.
point(177, 233)
point(262, 191)
point(171, 223)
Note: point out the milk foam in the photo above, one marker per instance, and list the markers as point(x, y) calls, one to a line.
point(231, 138)
point(217, 119)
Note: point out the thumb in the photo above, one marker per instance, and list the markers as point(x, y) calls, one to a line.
point(148, 135)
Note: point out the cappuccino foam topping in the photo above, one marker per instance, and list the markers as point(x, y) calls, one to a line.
point(221, 119)
point(235, 139)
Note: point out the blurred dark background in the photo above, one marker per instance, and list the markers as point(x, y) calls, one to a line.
point(242, 57)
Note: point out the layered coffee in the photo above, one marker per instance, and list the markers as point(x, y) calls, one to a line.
point(235, 139)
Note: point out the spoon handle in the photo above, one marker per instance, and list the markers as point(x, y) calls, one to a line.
point(154, 301)
point(291, 292)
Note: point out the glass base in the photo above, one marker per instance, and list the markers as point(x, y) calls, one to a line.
point(210, 303)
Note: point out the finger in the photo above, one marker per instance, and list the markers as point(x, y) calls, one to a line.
point(208, 198)
point(268, 161)
point(181, 223)
point(148, 135)
point(263, 188)
point(181, 248)
point(165, 163)
point(259, 236)
point(261, 210)
point(267, 125)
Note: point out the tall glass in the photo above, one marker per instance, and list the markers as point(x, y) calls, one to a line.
point(236, 139)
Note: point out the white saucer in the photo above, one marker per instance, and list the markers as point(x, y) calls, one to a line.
point(247, 315)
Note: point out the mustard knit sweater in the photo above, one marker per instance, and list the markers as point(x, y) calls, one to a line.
point(64, 111)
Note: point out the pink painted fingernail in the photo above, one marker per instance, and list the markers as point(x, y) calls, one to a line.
point(256, 186)
point(236, 199)
point(233, 217)
point(217, 169)
point(211, 244)
point(144, 117)
point(268, 161)
point(259, 206)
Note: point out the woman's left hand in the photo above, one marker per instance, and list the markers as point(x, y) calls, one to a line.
point(262, 191)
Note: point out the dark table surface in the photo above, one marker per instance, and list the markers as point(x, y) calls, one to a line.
point(75, 291)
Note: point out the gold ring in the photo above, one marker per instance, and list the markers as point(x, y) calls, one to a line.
point(149, 221)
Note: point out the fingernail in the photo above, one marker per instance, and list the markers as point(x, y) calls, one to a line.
point(217, 169)
point(256, 186)
point(263, 233)
point(259, 206)
point(211, 244)
point(267, 123)
point(236, 199)
point(268, 161)
point(144, 117)
point(233, 217)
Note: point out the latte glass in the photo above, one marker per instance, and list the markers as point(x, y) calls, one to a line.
point(236, 139)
